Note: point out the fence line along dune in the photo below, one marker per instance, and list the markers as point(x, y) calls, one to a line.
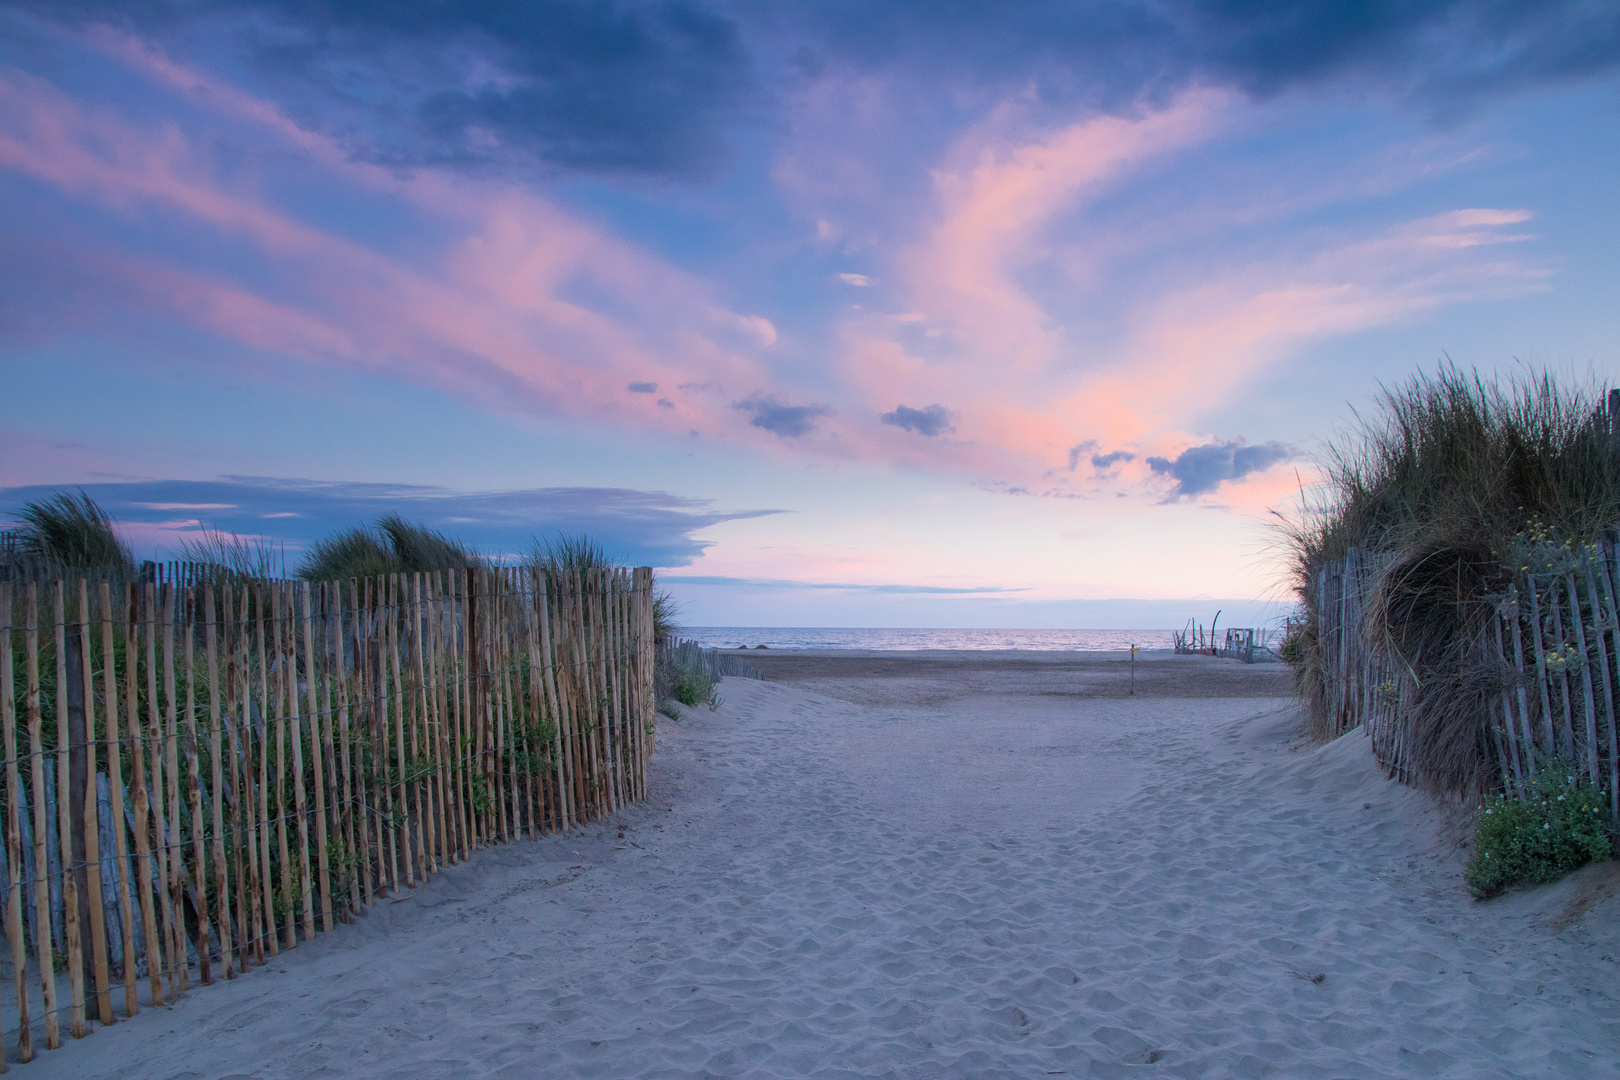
point(1460, 579)
point(204, 768)
point(1534, 686)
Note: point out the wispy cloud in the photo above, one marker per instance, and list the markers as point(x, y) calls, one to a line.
point(528, 310)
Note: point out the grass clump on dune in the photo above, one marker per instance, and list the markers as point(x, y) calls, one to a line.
point(568, 552)
point(69, 530)
point(235, 556)
point(391, 546)
point(1453, 461)
point(1449, 480)
point(1557, 827)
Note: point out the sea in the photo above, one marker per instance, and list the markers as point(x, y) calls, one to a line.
point(905, 639)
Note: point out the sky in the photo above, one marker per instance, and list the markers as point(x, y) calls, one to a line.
point(891, 314)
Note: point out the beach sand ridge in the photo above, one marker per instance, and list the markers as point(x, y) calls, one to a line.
point(978, 880)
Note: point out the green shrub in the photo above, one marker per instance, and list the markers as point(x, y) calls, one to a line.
point(694, 686)
point(1560, 825)
point(1292, 649)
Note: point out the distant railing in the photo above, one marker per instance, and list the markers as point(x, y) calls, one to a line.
point(686, 670)
point(717, 663)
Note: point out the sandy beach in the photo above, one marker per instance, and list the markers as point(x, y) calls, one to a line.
point(946, 865)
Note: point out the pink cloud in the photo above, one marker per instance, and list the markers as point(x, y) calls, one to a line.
point(994, 199)
point(490, 321)
point(976, 337)
point(528, 308)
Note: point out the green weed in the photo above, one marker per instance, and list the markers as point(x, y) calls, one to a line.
point(1558, 827)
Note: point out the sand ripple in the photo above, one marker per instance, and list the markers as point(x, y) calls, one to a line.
point(997, 887)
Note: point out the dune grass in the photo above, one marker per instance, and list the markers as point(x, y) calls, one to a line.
point(236, 556)
point(391, 546)
point(1452, 460)
point(70, 530)
point(576, 552)
point(1453, 479)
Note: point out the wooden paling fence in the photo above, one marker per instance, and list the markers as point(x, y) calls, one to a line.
point(717, 664)
point(202, 770)
point(1548, 661)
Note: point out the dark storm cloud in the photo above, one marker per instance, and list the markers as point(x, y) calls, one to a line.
point(1114, 53)
point(1201, 469)
point(599, 86)
point(619, 87)
point(788, 421)
point(929, 420)
point(642, 527)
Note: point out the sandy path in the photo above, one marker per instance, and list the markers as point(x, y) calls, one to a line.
point(988, 885)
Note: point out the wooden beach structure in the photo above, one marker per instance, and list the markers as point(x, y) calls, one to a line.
point(204, 769)
point(1250, 644)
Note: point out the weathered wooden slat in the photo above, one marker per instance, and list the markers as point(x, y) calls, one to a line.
point(319, 747)
point(167, 744)
point(1543, 683)
point(77, 1026)
point(297, 717)
point(124, 620)
point(43, 951)
point(199, 833)
point(422, 730)
point(264, 925)
point(148, 867)
point(561, 744)
point(400, 833)
point(1576, 609)
point(14, 843)
point(89, 812)
point(1566, 744)
point(283, 704)
point(216, 751)
point(1605, 570)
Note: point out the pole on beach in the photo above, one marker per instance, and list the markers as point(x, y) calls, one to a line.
point(1133, 669)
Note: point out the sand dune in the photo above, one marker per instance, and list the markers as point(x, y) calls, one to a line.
point(991, 883)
